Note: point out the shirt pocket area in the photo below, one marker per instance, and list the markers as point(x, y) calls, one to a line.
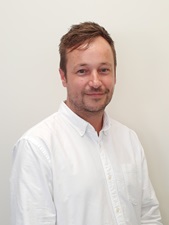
point(131, 179)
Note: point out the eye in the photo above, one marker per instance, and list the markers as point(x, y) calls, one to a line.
point(82, 72)
point(104, 70)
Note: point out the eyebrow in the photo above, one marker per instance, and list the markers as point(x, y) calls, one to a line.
point(85, 64)
point(82, 64)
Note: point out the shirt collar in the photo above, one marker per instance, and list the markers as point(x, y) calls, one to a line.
point(81, 125)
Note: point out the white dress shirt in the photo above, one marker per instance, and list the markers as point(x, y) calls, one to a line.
point(65, 174)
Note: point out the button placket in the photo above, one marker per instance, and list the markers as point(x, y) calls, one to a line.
point(112, 187)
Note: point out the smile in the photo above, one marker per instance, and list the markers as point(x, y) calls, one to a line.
point(95, 94)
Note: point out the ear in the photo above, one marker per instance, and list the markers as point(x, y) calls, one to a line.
point(63, 78)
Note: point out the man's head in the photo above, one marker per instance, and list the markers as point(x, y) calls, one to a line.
point(88, 68)
point(79, 34)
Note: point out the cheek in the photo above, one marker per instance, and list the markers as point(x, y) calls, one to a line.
point(76, 86)
point(80, 84)
point(109, 83)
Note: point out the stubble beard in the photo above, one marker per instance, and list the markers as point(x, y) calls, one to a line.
point(85, 107)
point(97, 107)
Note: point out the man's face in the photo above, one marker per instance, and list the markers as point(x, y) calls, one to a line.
point(90, 77)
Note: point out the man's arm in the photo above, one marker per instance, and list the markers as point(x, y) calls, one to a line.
point(31, 186)
point(150, 214)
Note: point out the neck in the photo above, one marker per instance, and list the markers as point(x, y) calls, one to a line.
point(95, 119)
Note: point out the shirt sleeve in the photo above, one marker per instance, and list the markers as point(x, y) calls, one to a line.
point(31, 185)
point(150, 213)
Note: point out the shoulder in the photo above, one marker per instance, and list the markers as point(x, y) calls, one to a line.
point(123, 132)
point(120, 127)
point(42, 128)
point(40, 135)
point(37, 142)
point(126, 140)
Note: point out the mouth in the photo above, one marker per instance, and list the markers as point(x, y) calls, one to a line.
point(95, 94)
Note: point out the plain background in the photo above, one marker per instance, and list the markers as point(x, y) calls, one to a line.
point(30, 87)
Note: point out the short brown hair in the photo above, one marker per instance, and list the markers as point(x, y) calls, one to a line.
point(79, 34)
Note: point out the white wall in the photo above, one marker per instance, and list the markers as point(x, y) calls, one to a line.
point(30, 88)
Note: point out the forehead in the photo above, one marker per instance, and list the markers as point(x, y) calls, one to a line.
point(91, 48)
point(86, 44)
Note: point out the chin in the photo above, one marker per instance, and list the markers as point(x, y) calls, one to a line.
point(95, 108)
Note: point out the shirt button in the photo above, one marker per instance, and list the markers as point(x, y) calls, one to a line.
point(117, 210)
point(109, 177)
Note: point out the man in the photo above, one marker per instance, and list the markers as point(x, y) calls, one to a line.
point(80, 167)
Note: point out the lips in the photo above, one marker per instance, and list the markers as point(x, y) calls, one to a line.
point(96, 93)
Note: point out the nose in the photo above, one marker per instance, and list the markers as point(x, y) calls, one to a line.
point(95, 81)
